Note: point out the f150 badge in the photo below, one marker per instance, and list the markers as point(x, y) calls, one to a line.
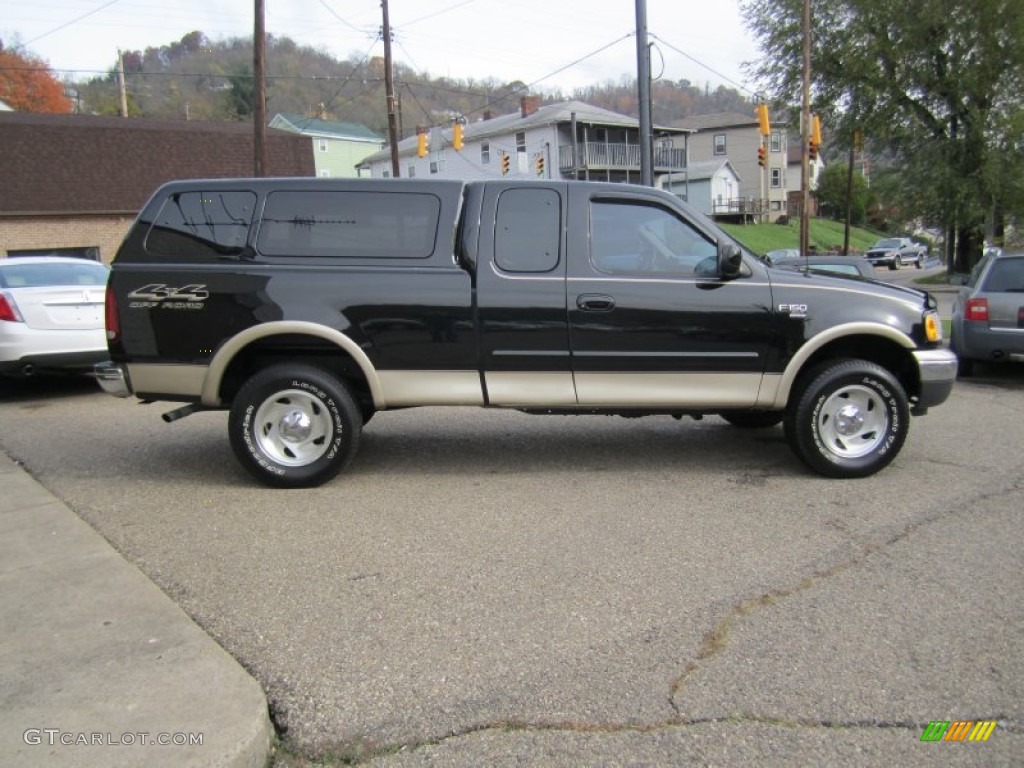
point(168, 297)
point(794, 310)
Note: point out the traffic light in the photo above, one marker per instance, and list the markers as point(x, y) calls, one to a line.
point(505, 161)
point(764, 124)
point(815, 140)
point(457, 137)
point(421, 141)
point(540, 163)
point(762, 156)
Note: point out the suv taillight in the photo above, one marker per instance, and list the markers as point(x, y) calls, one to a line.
point(113, 319)
point(977, 310)
point(9, 310)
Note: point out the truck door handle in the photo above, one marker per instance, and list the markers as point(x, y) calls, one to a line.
point(595, 302)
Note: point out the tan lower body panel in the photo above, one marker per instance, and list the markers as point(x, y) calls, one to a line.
point(184, 380)
point(430, 388)
point(531, 388)
point(668, 390)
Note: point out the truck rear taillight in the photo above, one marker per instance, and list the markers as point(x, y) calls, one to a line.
point(9, 310)
point(977, 310)
point(113, 319)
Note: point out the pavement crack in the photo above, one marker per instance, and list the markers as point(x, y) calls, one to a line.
point(715, 640)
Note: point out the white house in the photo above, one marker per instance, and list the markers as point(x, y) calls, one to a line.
point(568, 140)
point(706, 185)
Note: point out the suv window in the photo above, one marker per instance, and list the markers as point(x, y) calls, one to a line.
point(1005, 276)
point(202, 225)
point(634, 238)
point(374, 225)
point(528, 230)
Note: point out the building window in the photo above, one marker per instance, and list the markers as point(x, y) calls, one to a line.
point(92, 253)
point(411, 172)
point(776, 141)
point(325, 174)
point(776, 178)
point(322, 144)
point(437, 162)
point(719, 143)
point(776, 205)
point(386, 175)
point(485, 154)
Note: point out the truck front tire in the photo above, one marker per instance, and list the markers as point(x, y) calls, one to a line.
point(294, 426)
point(849, 420)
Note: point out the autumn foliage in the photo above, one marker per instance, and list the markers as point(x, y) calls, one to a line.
point(26, 84)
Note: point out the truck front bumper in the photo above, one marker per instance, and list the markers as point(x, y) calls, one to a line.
point(113, 379)
point(937, 370)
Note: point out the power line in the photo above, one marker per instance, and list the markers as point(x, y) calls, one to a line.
point(67, 24)
point(700, 63)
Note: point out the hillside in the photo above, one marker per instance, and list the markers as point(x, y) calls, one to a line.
point(825, 235)
point(196, 78)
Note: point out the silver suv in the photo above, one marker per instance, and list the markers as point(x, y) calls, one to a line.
point(988, 313)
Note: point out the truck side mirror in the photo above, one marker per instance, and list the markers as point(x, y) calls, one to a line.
point(730, 259)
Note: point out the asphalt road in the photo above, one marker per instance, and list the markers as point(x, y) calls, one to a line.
point(492, 588)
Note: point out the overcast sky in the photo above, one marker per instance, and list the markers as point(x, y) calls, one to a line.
point(535, 41)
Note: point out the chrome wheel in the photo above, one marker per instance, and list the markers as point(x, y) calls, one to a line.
point(853, 421)
point(293, 428)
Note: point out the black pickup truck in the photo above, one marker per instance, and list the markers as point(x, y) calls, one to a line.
point(305, 306)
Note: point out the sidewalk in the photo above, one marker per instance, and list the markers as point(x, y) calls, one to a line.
point(98, 667)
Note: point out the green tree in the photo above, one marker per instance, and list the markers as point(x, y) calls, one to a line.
point(936, 84)
point(831, 193)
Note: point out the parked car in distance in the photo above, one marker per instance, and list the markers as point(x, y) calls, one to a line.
point(51, 314)
point(779, 254)
point(856, 266)
point(894, 252)
point(988, 312)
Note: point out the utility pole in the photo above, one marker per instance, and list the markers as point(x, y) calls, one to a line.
point(389, 88)
point(259, 88)
point(643, 84)
point(121, 88)
point(849, 194)
point(805, 136)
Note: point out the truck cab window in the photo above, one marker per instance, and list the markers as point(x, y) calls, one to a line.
point(641, 238)
point(528, 230)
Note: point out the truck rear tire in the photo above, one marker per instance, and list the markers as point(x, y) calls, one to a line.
point(294, 426)
point(850, 419)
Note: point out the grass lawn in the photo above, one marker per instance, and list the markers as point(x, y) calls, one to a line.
point(826, 235)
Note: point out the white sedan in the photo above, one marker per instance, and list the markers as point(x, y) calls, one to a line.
point(51, 314)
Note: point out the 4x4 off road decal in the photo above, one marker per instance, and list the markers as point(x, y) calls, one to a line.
point(168, 297)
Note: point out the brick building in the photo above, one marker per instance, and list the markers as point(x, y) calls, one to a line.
point(72, 184)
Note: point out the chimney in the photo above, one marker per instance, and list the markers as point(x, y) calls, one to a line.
point(488, 114)
point(529, 104)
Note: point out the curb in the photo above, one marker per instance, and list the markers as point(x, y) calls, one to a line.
point(98, 666)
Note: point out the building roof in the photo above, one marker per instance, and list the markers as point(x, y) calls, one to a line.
point(707, 169)
point(312, 126)
point(549, 114)
point(5, 107)
point(88, 164)
point(718, 120)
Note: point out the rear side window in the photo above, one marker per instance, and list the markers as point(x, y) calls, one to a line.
point(374, 225)
point(1006, 276)
point(528, 230)
point(202, 225)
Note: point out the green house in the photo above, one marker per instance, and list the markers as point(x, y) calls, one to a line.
point(337, 147)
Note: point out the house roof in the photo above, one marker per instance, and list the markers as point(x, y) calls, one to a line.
point(89, 164)
point(718, 120)
point(549, 114)
point(312, 126)
point(708, 168)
